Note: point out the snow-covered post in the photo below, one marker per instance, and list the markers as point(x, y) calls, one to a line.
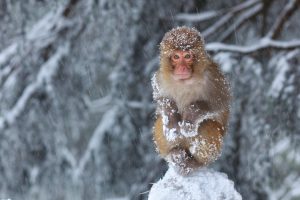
point(203, 184)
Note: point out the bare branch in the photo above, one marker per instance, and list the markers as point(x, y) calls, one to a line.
point(245, 5)
point(108, 120)
point(262, 44)
point(47, 71)
point(204, 16)
point(69, 8)
point(45, 33)
point(68, 156)
point(99, 105)
point(6, 54)
point(199, 17)
point(286, 13)
point(231, 13)
point(212, 29)
point(241, 20)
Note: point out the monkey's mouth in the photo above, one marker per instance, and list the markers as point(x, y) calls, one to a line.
point(182, 76)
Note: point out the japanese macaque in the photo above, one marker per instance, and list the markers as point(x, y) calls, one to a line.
point(193, 100)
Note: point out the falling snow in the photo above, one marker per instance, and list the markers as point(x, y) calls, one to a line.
point(76, 110)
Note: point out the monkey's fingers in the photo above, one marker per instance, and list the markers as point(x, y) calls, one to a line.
point(167, 105)
point(188, 129)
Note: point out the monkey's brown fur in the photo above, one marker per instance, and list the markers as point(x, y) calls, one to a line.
point(202, 102)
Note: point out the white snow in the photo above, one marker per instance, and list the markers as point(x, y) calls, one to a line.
point(6, 54)
point(107, 122)
point(240, 20)
point(228, 16)
point(171, 134)
point(199, 17)
point(190, 130)
point(204, 184)
point(281, 18)
point(155, 86)
point(226, 61)
point(47, 71)
point(282, 66)
point(187, 129)
point(261, 44)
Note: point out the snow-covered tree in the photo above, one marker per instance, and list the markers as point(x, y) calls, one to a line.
point(76, 110)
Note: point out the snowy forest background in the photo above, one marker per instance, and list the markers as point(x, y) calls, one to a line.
point(76, 108)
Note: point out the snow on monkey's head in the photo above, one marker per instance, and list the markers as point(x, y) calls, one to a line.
point(182, 38)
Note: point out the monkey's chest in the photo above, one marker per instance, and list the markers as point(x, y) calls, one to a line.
point(184, 96)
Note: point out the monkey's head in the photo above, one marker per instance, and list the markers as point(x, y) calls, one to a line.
point(181, 49)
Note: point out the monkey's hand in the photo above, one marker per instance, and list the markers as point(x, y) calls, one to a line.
point(167, 105)
point(191, 116)
point(194, 111)
point(188, 129)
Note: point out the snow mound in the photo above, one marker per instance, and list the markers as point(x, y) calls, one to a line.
point(204, 184)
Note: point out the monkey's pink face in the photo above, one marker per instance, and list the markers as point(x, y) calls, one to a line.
point(182, 62)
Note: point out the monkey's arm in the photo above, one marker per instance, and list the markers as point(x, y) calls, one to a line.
point(166, 130)
point(192, 116)
point(199, 150)
point(197, 112)
point(206, 146)
point(168, 110)
point(203, 144)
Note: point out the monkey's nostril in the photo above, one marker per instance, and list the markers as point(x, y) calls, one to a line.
point(188, 153)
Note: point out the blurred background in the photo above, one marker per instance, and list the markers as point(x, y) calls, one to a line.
point(76, 109)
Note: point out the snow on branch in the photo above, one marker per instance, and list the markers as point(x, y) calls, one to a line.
point(282, 66)
point(46, 33)
point(264, 43)
point(240, 20)
point(6, 54)
point(203, 16)
point(108, 120)
point(228, 16)
point(212, 29)
point(286, 13)
point(47, 71)
point(245, 5)
point(100, 105)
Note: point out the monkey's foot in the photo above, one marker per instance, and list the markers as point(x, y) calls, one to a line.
point(182, 161)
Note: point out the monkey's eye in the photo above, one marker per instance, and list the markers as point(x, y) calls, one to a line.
point(187, 56)
point(176, 57)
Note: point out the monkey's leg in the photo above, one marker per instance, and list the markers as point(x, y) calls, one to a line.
point(205, 148)
point(160, 140)
point(183, 162)
point(173, 151)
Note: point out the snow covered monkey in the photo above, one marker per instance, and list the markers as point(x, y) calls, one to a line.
point(193, 100)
